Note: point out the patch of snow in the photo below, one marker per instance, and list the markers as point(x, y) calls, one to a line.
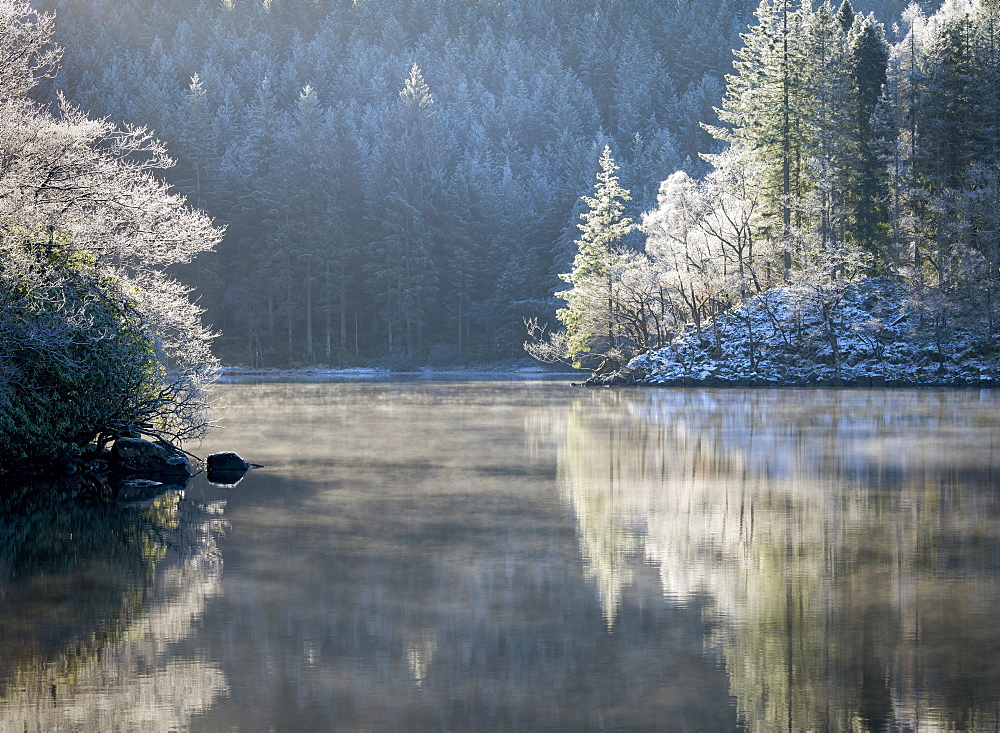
point(841, 333)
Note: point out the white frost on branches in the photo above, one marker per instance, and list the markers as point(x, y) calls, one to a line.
point(79, 200)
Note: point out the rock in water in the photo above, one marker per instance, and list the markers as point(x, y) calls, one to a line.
point(225, 479)
point(227, 461)
point(227, 469)
point(135, 455)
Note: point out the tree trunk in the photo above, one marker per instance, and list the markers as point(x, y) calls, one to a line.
point(329, 321)
point(310, 352)
point(786, 153)
point(343, 319)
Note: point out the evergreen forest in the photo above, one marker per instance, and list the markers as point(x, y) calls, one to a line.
point(402, 181)
point(849, 229)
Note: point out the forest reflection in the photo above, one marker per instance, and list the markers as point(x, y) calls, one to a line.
point(844, 545)
point(404, 562)
point(97, 600)
point(511, 556)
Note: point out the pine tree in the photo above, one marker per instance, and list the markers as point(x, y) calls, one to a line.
point(591, 313)
point(196, 140)
point(766, 108)
point(948, 141)
point(310, 205)
point(416, 100)
point(985, 175)
point(845, 16)
point(899, 127)
point(865, 181)
point(828, 118)
point(406, 275)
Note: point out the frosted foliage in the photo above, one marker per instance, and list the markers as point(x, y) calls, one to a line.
point(86, 231)
point(94, 182)
point(416, 96)
point(593, 306)
point(701, 243)
point(25, 52)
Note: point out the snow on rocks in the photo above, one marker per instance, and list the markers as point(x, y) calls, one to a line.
point(866, 332)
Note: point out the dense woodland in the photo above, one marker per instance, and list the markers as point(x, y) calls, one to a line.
point(402, 180)
point(848, 159)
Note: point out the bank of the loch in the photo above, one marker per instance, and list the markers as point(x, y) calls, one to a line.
point(864, 333)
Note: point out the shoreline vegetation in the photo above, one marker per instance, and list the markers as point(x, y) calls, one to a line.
point(865, 333)
point(848, 234)
point(99, 345)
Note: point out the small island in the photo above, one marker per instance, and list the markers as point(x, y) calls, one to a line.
point(860, 332)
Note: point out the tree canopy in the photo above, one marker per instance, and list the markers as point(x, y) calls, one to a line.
point(846, 157)
point(96, 341)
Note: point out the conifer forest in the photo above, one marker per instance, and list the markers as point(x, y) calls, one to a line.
point(403, 181)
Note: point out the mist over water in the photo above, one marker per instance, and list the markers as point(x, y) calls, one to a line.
point(529, 555)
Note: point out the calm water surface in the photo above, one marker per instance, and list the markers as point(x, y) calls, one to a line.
point(519, 556)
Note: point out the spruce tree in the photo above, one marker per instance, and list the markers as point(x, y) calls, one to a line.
point(845, 16)
point(827, 117)
point(866, 181)
point(590, 315)
point(948, 139)
point(985, 175)
point(765, 111)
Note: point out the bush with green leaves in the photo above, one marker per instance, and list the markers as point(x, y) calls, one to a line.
point(77, 364)
point(96, 341)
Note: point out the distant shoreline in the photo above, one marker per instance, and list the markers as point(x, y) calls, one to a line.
point(579, 378)
point(869, 383)
point(520, 370)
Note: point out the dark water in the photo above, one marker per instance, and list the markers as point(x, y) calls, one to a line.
point(519, 556)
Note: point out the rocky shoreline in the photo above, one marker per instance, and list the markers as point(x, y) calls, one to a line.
point(623, 379)
point(867, 333)
point(131, 470)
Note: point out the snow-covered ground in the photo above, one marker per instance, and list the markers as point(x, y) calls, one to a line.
point(862, 332)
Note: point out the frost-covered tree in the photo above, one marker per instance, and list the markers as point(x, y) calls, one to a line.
point(416, 100)
point(591, 315)
point(938, 102)
point(798, 113)
point(767, 109)
point(865, 175)
point(95, 340)
point(701, 243)
point(26, 50)
point(680, 249)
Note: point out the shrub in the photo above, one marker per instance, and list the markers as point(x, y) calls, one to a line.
point(77, 363)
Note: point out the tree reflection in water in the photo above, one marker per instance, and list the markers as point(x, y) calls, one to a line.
point(97, 597)
point(826, 560)
point(848, 543)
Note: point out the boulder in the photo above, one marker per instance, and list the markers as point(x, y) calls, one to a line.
point(135, 455)
point(227, 461)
